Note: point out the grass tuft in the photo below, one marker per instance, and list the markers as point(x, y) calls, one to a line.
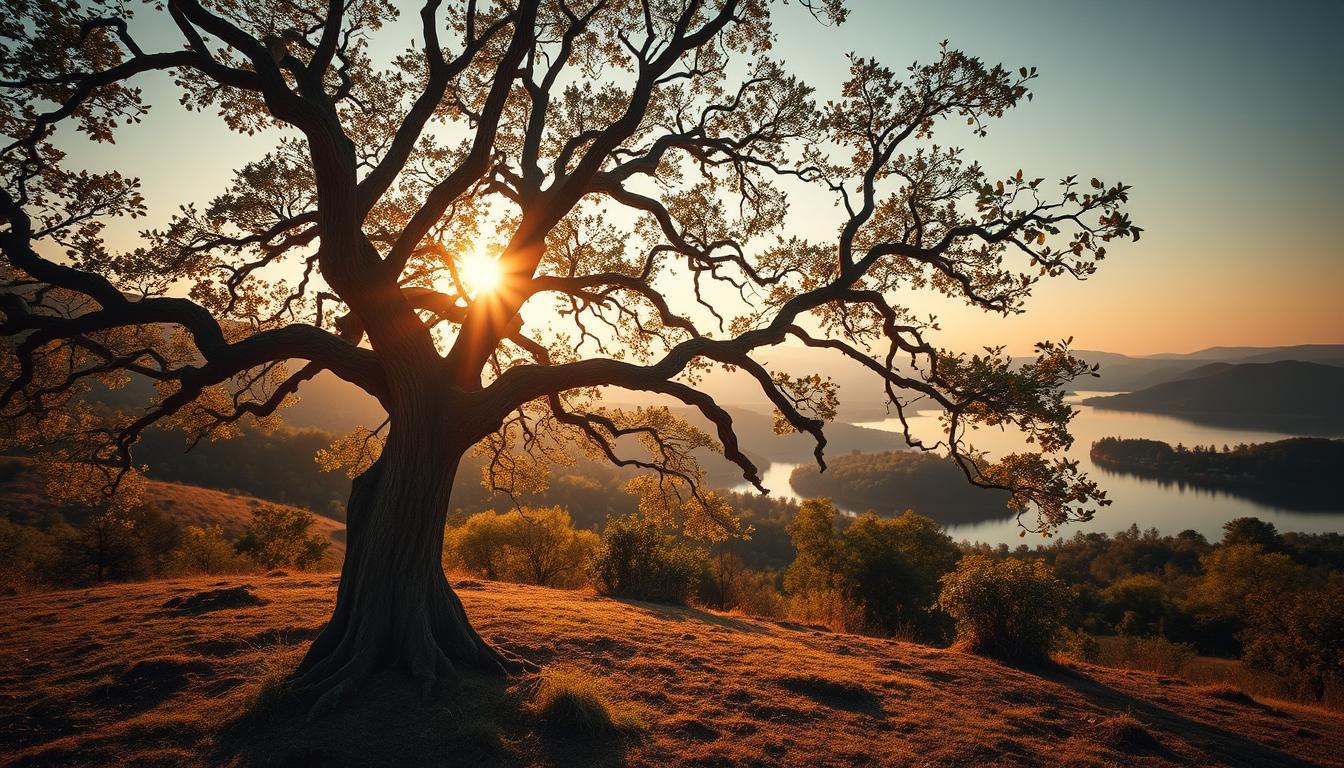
point(1125, 732)
point(571, 700)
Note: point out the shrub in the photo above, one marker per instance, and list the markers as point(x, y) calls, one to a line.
point(728, 584)
point(636, 558)
point(1151, 654)
point(1078, 645)
point(531, 545)
point(205, 550)
point(280, 536)
point(571, 700)
point(107, 547)
point(1010, 609)
point(26, 554)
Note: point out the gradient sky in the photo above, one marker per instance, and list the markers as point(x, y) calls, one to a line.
point(1225, 116)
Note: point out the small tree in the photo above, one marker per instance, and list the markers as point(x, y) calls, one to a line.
point(872, 573)
point(532, 545)
point(1252, 530)
point(1011, 609)
point(105, 548)
point(205, 550)
point(26, 554)
point(280, 536)
point(638, 558)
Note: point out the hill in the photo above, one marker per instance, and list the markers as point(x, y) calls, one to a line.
point(111, 676)
point(1288, 395)
point(24, 499)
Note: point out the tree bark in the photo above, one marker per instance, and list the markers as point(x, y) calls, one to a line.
point(394, 607)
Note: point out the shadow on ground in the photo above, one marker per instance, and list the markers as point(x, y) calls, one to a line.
point(477, 720)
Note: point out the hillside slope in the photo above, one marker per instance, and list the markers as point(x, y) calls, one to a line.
point(1284, 392)
point(113, 676)
point(24, 499)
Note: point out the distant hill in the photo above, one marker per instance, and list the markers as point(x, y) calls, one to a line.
point(1330, 354)
point(1288, 395)
point(1127, 373)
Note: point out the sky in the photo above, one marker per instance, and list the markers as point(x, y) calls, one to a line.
point(1224, 116)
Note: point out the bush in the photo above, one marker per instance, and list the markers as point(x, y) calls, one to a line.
point(1078, 645)
point(1010, 609)
point(26, 556)
point(280, 536)
point(531, 545)
point(728, 584)
point(1151, 654)
point(574, 701)
point(205, 550)
point(636, 558)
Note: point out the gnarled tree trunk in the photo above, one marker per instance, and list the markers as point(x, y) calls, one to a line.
point(394, 607)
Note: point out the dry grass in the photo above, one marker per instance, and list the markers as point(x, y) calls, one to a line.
point(108, 676)
point(573, 701)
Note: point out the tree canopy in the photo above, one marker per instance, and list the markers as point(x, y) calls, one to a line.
point(535, 199)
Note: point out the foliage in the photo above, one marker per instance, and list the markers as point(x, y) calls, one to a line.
point(1078, 645)
point(728, 584)
point(113, 545)
point(204, 549)
point(881, 571)
point(281, 536)
point(530, 545)
point(1011, 609)
point(26, 556)
point(892, 482)
point(1295, 473)
point(1151, 654)
point(637, 558)
point(1299, 635)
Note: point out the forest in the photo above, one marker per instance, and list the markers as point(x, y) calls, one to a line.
point(1296, 473)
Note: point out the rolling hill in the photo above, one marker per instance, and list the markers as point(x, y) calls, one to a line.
point(1288, 395)
point(118, 676)
point(24, 499)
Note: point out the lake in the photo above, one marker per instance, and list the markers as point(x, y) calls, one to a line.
point(1170, 508)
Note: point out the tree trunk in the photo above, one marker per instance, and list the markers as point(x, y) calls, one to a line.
point(394, 607)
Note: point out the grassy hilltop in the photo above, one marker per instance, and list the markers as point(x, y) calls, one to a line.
point(144, 674)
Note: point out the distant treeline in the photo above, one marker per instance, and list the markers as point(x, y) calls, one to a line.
point(1298, 473)
point(890, 483)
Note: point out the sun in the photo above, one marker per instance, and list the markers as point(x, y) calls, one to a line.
point(479, 272)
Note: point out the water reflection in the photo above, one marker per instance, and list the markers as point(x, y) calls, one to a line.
point(1168, 506)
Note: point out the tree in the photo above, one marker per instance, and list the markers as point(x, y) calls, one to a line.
point(532, 545)
point(1299, 635)
point(280, 536)
point(1012, 609)
point(631, 162)
point(885, 569)
point(636, 557)
point(1253, 530)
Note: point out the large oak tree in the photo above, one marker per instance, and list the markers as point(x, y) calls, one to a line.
point(628, 166)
